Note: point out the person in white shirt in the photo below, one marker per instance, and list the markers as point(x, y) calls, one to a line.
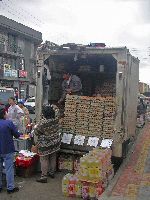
point(15, 113)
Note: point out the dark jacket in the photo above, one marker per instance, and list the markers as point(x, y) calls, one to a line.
point(7, 131)
point(74, 84)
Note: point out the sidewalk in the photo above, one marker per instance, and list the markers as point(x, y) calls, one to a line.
point(133, 181)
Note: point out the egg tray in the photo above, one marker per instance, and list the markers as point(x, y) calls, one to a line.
point(84, 106)
point(71, 97)
point(70, 106)
point(82, 114)
point(70, 122)
point(107, 136)
point(98, 124)
point(81, 127)
point(70, 102)
point(70, 116)
point(108, 130)
point(108, 120)
point(86, 98)
point(72, 127)
point(82, 119)
point(95, 114)
point(82, 131)
point(110, 103)
point(95, 134)
point(80, 111)
point(82, 123)
point(110, 109)
point(68, 129)
point(70, 110)
point(96, 117)
point(97, 130)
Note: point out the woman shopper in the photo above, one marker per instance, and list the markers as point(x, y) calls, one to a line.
point(15, 113)
point(48, 142)
point(7, 131)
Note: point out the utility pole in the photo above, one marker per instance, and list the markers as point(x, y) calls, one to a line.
point(39, 86)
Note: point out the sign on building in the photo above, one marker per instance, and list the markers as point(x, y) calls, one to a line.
point(22, 74)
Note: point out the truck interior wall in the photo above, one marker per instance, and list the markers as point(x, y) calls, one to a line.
point(88, 69)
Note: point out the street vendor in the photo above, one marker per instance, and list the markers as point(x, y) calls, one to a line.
point(48, 142)
point(71, 85)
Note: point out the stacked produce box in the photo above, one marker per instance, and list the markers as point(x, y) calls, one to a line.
point(109, 117)
point(70, 113)
point(82, 115)
point(107, 89)
point(92, 177)
point(96, 116)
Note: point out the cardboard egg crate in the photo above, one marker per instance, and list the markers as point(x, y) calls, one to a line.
point(107, 135)
point(82, 123)
point(71, 121)
point(71, 97)
point(83, 110)
point(81, 131)
point(72, 106)
point(96, 133)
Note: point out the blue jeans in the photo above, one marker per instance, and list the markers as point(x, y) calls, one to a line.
point(8, 160)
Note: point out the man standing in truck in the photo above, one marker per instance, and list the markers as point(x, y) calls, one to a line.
point(71, 85)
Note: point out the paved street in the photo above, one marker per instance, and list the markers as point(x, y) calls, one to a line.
point(31, 190)
point(134, 181)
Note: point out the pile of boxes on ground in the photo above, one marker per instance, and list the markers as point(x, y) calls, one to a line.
point(92, 176)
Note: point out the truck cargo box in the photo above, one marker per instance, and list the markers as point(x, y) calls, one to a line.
point(102, 71)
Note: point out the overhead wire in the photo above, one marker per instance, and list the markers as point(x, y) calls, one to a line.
point(25, 11)
point(17, 13)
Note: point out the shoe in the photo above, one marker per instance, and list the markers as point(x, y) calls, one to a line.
point(42, 180)
point(51, 175)
point(16, 189)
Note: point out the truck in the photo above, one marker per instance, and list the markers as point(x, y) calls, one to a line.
point(94, 65)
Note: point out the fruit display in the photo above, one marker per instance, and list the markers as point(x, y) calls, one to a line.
point(95, 170)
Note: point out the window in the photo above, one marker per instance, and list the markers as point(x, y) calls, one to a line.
point(23, 64)
point(13, 63)
point(12, 45)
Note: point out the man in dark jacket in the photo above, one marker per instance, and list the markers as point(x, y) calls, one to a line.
point(7, 131)
point(71, 85)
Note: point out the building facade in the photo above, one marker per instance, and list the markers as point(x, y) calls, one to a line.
point(143, 88)
point(18, 45)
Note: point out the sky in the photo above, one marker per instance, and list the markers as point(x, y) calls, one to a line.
point(113, 22)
